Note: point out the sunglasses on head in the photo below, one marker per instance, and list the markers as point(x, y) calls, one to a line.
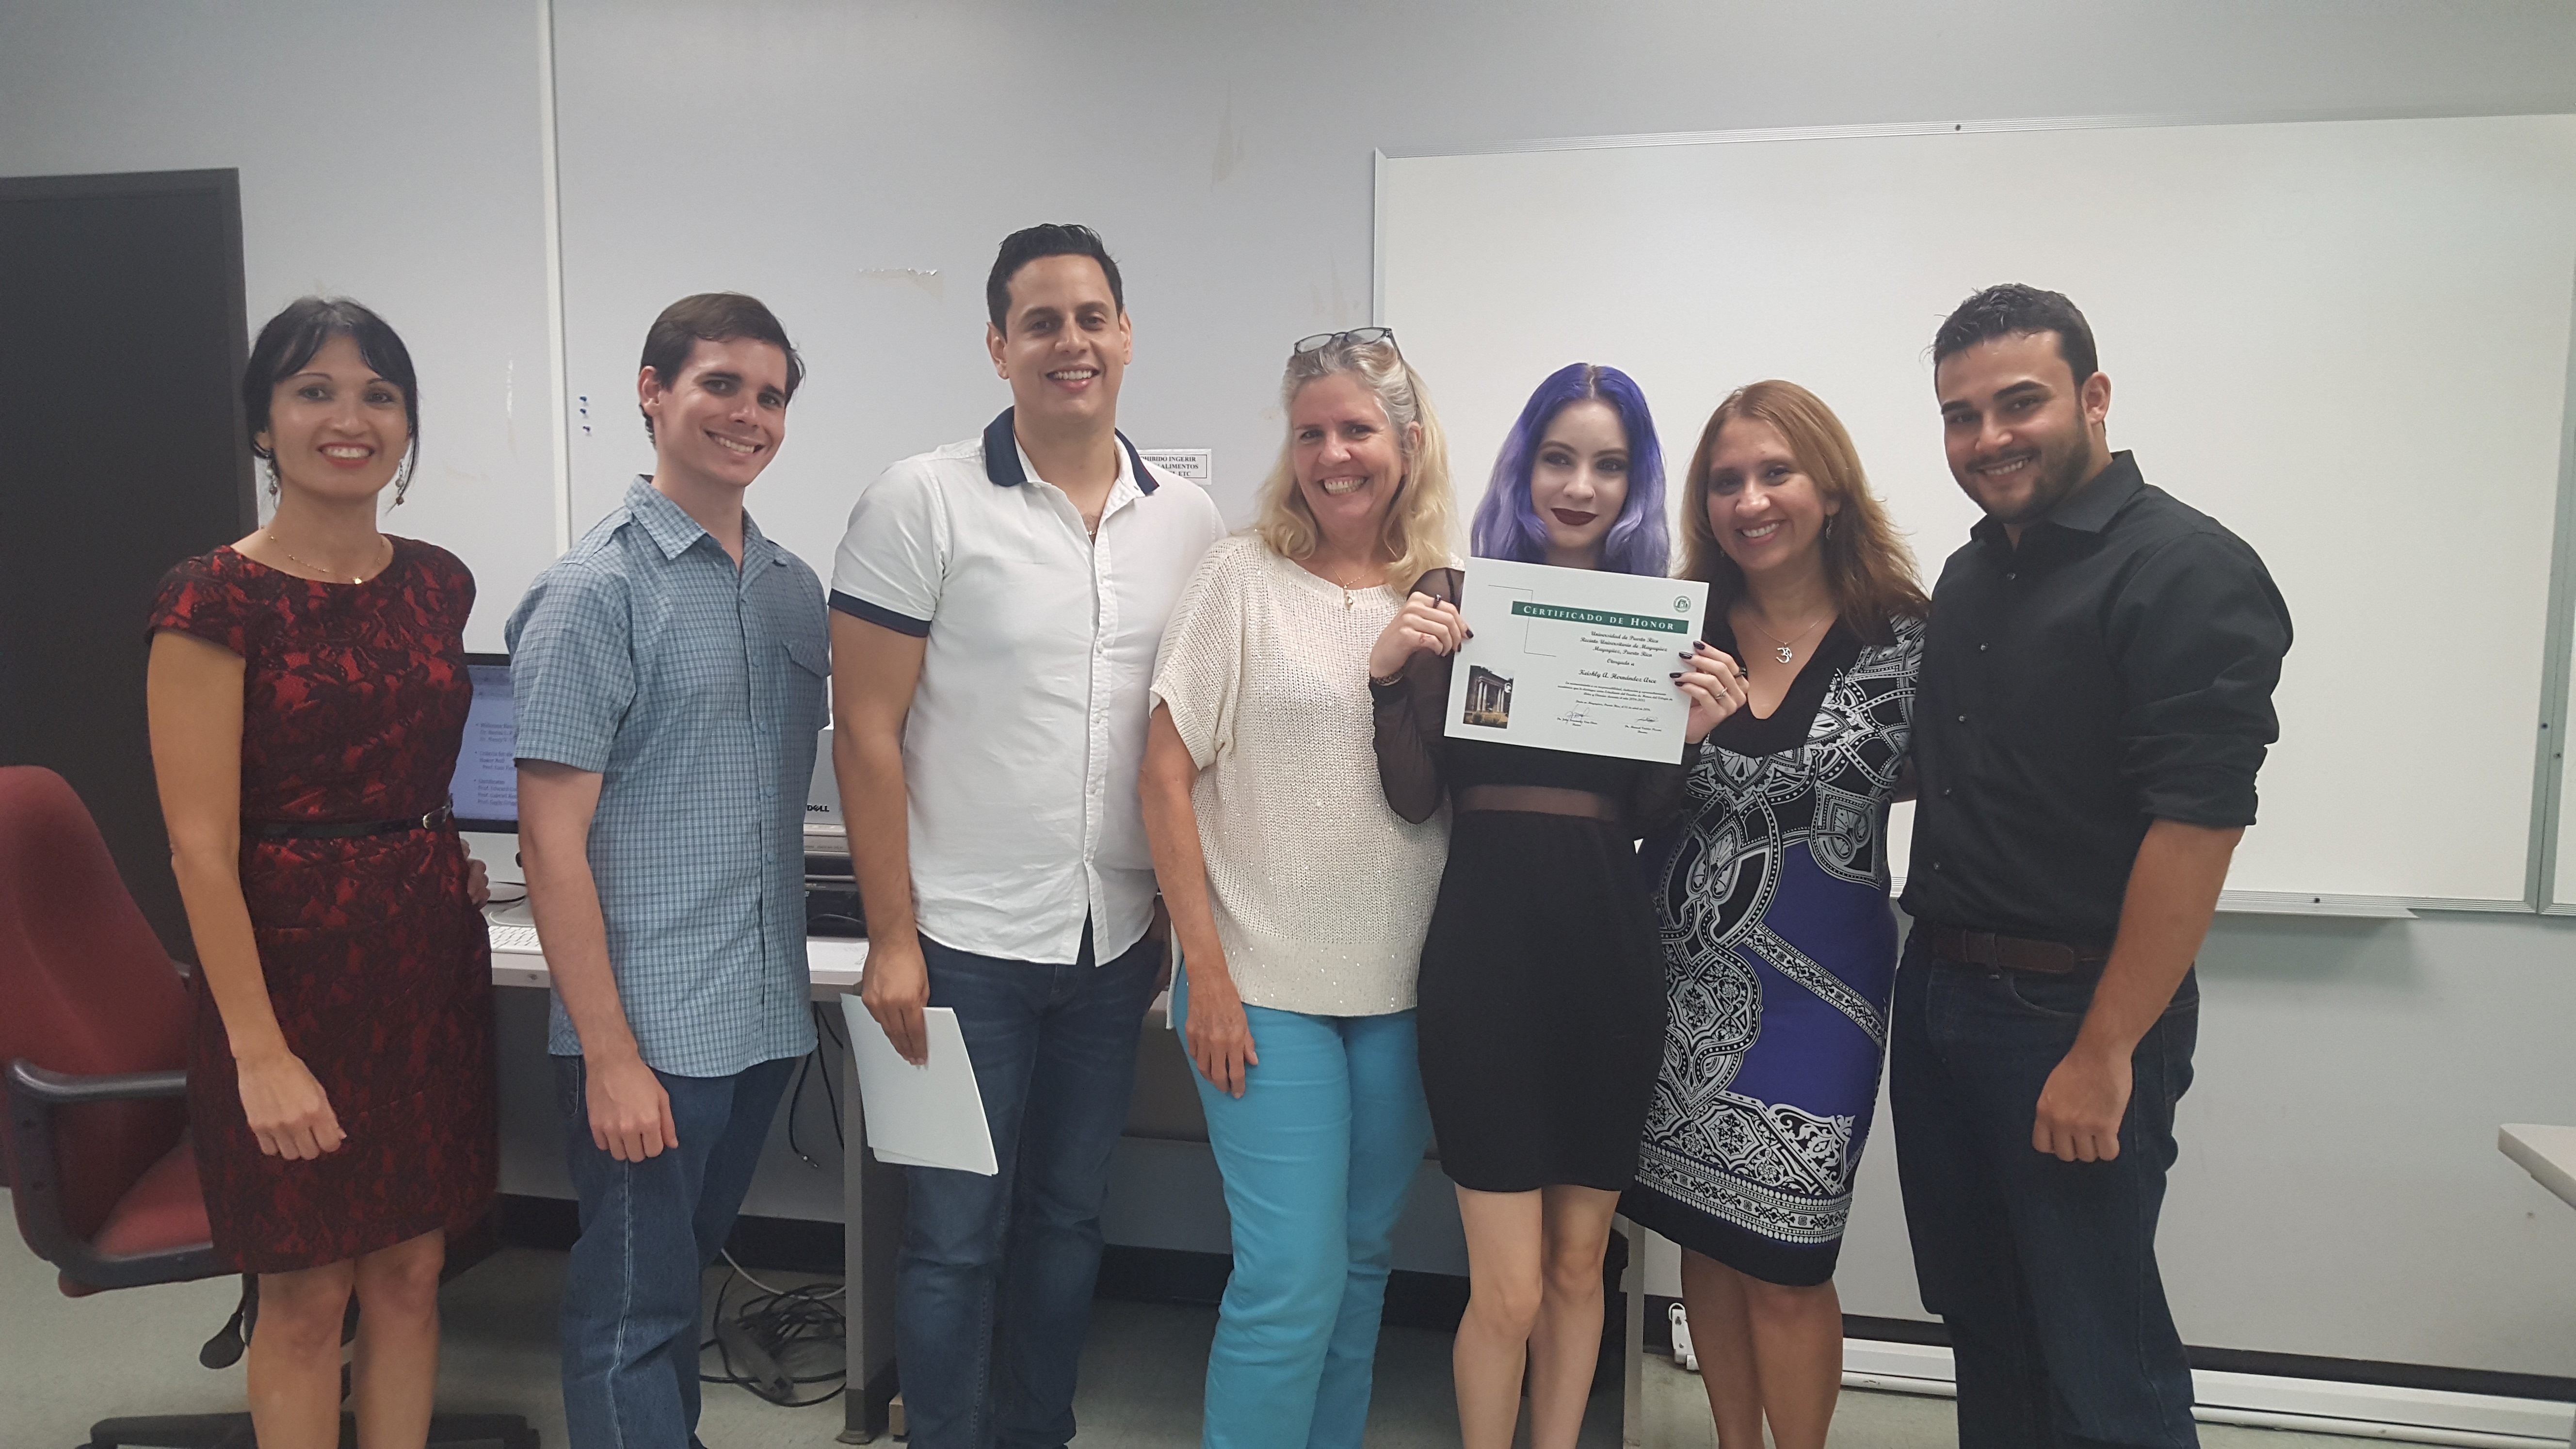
point(1356, 337)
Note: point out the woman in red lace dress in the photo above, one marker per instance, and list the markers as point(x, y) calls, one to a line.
point(308, 693)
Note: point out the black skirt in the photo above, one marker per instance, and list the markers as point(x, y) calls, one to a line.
point(1542, 1004)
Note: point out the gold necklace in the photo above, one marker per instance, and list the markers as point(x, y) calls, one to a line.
point(1346, 588)
point(271, 535)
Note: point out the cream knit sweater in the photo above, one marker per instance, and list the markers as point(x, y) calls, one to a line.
point(1322, 894)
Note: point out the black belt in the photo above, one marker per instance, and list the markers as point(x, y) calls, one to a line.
point(438, 819)
point(2013, 953)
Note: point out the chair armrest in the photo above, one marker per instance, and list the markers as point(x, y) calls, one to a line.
point(34, 1095)
point(62, 1089)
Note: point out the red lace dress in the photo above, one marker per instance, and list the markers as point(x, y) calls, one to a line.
point(353, 705)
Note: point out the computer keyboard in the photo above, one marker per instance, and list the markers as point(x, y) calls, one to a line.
point(521, 939)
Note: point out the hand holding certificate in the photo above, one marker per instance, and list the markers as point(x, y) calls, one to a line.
point(1574, 659)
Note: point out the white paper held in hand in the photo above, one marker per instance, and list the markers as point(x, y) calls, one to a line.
point(925, 1116)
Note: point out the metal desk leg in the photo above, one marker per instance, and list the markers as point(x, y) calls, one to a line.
point(872, 1200)
point(1632, 1289)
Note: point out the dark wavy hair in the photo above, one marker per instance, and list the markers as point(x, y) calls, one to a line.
point(292, 337)
point(1866, 562)
point(1507, 525)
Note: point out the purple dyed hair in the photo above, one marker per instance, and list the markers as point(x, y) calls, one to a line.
point(1507, 524)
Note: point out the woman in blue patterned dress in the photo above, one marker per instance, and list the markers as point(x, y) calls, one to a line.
point(1779, 944)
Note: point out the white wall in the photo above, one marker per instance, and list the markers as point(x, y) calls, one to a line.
point(387, 152)
point(1225, 152)
point(2339, 1193)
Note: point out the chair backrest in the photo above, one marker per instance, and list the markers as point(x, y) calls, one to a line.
point(84, 988)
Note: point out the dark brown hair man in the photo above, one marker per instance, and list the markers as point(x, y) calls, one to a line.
point(2095, 701)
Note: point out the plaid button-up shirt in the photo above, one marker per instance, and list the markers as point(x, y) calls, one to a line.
point(696, 691)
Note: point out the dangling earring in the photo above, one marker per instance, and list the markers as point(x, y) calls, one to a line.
point(402, 481)
point(1829, 525)
point(268, 469)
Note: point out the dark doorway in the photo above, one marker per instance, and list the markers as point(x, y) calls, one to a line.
point(121, 343)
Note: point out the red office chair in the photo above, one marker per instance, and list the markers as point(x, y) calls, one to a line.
point(94, 1029)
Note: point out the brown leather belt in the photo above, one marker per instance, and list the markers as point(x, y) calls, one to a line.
point(1538, 800)
point(2012, 953)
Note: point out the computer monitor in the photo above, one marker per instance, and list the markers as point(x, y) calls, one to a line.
point(823, 793)
point(485, 790)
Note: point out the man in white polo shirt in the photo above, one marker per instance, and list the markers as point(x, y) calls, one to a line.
point(997, 606)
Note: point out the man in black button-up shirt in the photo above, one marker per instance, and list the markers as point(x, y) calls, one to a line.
point(2095, 701)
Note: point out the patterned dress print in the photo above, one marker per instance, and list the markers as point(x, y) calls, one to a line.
point(1780, 953)
point(353, 705)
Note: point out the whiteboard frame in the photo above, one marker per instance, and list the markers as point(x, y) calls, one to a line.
point(561, 391)
point(2559, 630)
point(2549, 769)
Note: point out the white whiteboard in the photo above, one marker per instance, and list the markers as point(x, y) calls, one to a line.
point(2346, 340)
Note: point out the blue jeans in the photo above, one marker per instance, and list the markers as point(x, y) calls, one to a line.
point(1318, 1155)
point(2044, 1270)
point(993, 1284)
point(632, 1301)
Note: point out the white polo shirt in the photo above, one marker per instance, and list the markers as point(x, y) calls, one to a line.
point(1028, 729)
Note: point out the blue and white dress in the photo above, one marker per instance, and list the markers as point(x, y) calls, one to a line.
point(1779, 953)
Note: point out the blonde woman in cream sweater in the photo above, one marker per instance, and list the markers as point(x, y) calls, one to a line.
point(1299, 898)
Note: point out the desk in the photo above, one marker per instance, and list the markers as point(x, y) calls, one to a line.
point(872, 1194)
point(1165, 1107)
point(836, 964)
point(2547, 1153)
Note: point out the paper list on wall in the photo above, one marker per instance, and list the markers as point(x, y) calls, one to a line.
point(1196, 464)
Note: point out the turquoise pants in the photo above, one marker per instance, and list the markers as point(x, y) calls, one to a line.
point(1318, 1156)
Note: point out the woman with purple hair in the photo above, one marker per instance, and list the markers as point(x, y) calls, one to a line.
point(1541, 1011)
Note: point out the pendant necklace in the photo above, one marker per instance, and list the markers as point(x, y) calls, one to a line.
point(1346, 590)
point(326, 573)
point(1787, 648)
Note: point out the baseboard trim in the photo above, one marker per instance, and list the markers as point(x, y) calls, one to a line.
point(2271, 1400)
point(2482, 1382)
point(2418, 1403)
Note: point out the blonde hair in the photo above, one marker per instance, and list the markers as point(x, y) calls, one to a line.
point(1867, 564)
point(1421, 521)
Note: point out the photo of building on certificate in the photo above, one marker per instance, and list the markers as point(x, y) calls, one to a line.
point(1489, 699)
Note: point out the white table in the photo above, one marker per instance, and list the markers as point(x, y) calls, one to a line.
point(835, 963)
point(873, 1207)
point(2548, 1154)
point(872, 1193)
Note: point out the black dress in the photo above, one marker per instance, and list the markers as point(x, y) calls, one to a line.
point(1541, 1013)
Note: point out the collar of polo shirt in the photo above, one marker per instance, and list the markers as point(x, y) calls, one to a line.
point(1002, 455)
